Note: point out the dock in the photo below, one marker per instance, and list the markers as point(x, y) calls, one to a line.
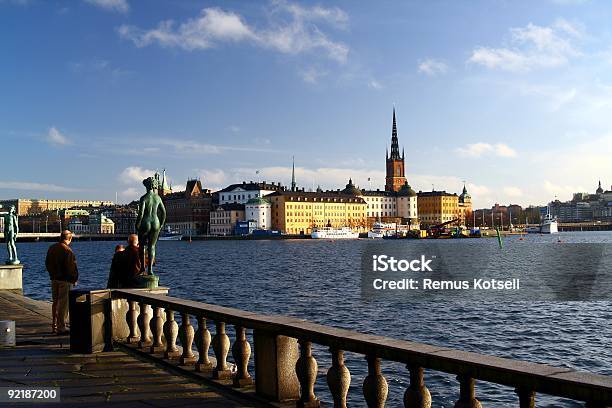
point(43, 359)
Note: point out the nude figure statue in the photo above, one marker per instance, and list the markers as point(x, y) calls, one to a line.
point(11, 229)
point(151, 218)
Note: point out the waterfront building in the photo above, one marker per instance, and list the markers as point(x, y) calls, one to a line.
point(259, 210)
point(124, 217)
point(25, 206)
point(437, 207)
point(391, 206)
point(224, 217)
point(299, 212)
point(243, 192)
point(101, 224)
point(583, 207)
point(464, 206)
point(188, 212)
point(79, 225)
point(395, 176)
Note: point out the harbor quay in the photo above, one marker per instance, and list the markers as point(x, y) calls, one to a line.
point(144, 347)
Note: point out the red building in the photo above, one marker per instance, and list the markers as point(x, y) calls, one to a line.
point(395, 163)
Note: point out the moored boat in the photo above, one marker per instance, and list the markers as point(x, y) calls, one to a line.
point(334, 233)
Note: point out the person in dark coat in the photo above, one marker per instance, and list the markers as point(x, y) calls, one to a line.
point(117, 269)
point(133, 267)
point(62, 267)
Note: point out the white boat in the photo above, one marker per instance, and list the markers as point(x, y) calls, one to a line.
point(169, 235)
point(549, 225)
point(334, 233)
point(380, 229)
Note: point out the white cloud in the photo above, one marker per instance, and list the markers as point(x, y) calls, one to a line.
point(512, 191)
point(532, 47)
point(120, 6)
point(135, 174)
point(54, 136)
point(481, 148)
point(30, 186)
point(374, 84)
point(234, 129)
point(312, 75)
point(215, 26)
point(432, 67)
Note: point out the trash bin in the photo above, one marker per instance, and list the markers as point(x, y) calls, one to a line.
point(88, 324)
point(7, 333)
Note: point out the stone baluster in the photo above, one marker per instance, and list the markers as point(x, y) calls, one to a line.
point(306, 369)
point(157, 327)
point(202, 340)
point(186, 336)
point(221, 346)
point(375, 388)
point(170, 333)
point(417, 395)
point(467, 393)
point(132, 322)
point(241, 351)
point(338, 378)
point(143, 325)
point(526, 397)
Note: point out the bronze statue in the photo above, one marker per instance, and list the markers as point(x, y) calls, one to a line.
point(151, 219)
point(11, 229)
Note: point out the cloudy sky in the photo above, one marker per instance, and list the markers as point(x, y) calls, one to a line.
point(513, 97)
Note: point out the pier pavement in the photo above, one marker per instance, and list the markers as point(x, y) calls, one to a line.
point(44, 359)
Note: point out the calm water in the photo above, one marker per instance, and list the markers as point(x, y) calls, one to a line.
point(320, 281)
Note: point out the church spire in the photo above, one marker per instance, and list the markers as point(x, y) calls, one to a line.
point(394, 142)
point(293, 174)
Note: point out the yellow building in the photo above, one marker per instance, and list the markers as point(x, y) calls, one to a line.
point(25, 206)
point(437, 207)
point(298, 212)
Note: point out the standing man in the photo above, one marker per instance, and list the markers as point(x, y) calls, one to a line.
point(62, 268)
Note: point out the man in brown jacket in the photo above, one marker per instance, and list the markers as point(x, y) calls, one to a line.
point(62, 268)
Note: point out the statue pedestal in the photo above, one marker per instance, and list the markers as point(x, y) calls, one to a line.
point(147, 281)
point(11, 278)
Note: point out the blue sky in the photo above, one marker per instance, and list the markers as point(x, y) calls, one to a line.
point(513, 97)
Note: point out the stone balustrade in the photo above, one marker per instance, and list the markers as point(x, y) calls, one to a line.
point(292, 375)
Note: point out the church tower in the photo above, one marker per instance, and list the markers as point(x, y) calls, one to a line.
point(395, 163)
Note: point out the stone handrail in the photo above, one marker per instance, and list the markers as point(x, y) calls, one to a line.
point(526, 378)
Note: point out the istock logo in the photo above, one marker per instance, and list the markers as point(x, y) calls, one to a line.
point(384, 263)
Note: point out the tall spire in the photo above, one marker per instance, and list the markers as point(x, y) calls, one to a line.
point(293, 173)
point(394, 142)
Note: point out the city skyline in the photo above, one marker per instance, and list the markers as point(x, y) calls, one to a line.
point(511, 98)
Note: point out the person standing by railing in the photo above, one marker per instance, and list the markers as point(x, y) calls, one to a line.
point(62, 267)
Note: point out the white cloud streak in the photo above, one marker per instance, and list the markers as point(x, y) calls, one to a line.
point(214, 26)
point(36, 187)
point(432, 67)
point(479, 149)
point(54, 136)
point(135, 174)
point(119, 6)
point(532, 47)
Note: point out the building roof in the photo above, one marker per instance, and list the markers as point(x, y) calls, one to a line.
point(350, 189)
point(230, 207)
point(406, 191)
point(258, 200)
point(251, 186)
point(435, 194)
point(312, 195)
